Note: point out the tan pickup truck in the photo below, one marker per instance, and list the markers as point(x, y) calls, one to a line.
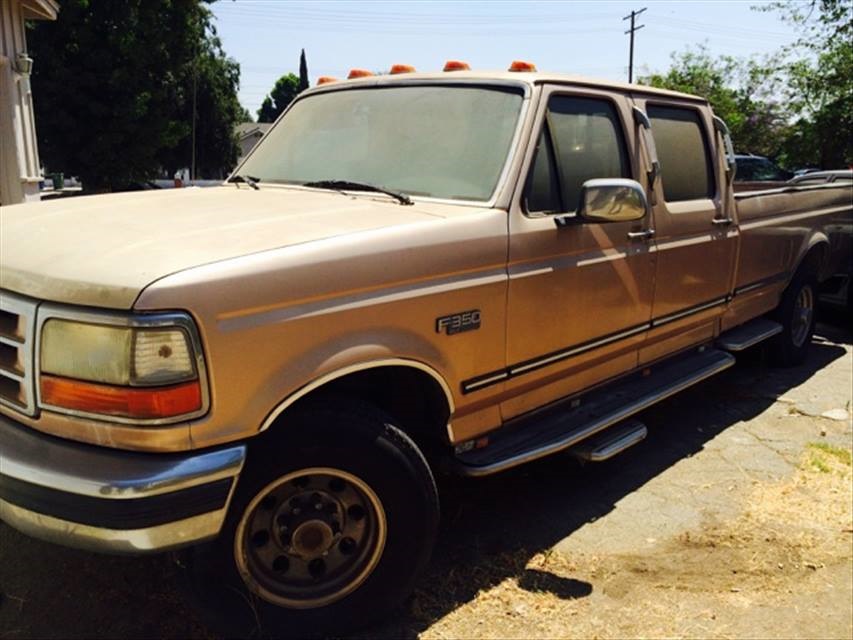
point(411, 274)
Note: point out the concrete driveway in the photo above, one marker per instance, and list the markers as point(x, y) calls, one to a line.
point(731, 519)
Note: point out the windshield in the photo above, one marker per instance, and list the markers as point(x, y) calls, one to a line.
point(435, 141)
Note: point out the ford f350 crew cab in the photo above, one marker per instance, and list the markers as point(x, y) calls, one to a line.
point(411, 274)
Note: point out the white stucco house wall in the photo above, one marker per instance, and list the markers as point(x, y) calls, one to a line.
point(249, 134)
point(20, 169)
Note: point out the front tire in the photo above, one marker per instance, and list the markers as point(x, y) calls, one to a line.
point(333, 519)
point(796, 314)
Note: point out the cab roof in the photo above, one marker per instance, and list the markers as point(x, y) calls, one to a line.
point(525, 78)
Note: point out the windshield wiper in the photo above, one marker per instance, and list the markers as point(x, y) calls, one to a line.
point(252, 181)
point(347, 185)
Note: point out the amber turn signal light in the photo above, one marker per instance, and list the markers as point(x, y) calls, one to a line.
point(131, 402)
point(456, 65)
point(521, 65)
point(401, 68)
point(326, 80)
point(359, 73)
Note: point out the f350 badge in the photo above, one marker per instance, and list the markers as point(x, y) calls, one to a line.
point(458, 322)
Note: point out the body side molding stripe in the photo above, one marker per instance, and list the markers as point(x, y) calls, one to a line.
point(521, 368)
point(764, 282)
point(493, 377)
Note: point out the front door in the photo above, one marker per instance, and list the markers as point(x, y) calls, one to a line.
point(580, 294)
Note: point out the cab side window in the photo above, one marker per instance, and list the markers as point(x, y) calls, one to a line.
point(685, 162)
point(581, 139)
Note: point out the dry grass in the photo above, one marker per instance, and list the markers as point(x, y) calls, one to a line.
point(791, 541)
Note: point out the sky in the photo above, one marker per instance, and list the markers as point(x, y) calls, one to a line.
point(578, 37)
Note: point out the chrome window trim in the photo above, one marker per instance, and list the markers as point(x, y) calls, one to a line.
point(168, 319)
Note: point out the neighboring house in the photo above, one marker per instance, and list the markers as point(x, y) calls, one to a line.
point(248, 134)
point(20, 171)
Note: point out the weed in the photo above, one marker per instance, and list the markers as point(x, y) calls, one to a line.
point(844, 456)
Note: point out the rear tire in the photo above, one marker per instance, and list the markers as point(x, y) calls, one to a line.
point(332, 521)
point(796, 314)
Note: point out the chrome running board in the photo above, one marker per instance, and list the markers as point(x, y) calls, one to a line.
point(748, 335)
point(611, 442)
point(566, 424)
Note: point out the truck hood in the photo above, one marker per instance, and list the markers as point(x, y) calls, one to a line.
point(104, 250)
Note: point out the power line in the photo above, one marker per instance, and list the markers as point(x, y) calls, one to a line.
point(633, 15)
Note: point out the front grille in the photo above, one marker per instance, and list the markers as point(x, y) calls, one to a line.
point(17, 343)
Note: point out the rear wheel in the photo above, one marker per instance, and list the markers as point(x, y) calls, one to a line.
point(796, 314)
point(331, 523)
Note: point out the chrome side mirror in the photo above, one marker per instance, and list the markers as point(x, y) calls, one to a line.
point(612, 200)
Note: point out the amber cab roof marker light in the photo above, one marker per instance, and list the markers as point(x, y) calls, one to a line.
point(521, 65)
point(456, 65)
point(359, 73)
point(326, 80)
point(401, 68)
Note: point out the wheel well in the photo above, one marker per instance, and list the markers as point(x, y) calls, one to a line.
point(411, 396)
point(815, 260)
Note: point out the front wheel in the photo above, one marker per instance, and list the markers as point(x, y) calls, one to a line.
point(796, 314)
point(331, 523)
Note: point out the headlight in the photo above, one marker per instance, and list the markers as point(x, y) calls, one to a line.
point(136, 372)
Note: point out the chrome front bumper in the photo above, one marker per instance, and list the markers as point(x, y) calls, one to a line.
point(109, 500)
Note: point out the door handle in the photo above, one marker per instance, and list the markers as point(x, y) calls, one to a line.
point(636, 235)
point(722, 221)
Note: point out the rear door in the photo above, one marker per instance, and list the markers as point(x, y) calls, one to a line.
point(696, 243)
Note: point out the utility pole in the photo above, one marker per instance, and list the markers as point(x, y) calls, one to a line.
point(195, 113)
point(195, 102)
point(633, 15)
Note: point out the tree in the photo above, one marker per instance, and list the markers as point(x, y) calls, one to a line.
point(741, 92)
point(218, 110)
point(796, 105)
point(114, 87)
point(285, 90)
point(303, 72)
point(820, 81)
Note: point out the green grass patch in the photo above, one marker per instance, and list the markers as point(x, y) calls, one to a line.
point(844, 456)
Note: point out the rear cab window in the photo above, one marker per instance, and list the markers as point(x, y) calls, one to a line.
point(581, 139)
point(683, 152)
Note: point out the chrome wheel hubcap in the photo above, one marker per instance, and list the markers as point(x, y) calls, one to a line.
point(803, 315)
point(310, 538)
